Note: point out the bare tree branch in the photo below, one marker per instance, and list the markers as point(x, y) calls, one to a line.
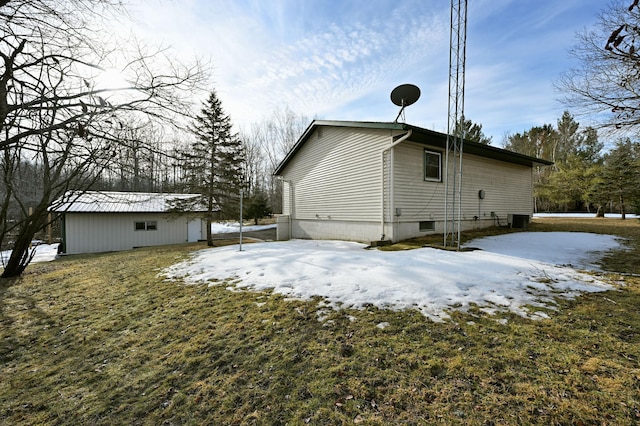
point(606, 83)
point(58, 122)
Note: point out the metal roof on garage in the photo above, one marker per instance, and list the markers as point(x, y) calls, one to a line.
point(123, 202)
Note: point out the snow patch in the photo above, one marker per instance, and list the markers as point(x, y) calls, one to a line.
point(509, 273)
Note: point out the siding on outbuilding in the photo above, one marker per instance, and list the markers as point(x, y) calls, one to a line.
point(101, 221)
point(101, 232)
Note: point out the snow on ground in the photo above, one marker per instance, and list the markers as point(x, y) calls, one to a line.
point(228, 228)
point(569, 248)
point(44, 253)
point(510, 271)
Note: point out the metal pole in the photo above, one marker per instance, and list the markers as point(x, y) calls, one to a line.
point(241, 219)
point(455, 137)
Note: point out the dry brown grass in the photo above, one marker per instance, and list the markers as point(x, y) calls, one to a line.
point(102, 339)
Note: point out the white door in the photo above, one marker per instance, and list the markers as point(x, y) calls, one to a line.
point(194, 230)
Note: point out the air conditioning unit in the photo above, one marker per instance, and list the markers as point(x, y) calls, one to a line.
point(520, 221)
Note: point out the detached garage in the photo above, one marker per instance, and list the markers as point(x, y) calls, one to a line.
point(103, 221)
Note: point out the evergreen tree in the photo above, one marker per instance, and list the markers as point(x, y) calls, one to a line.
point(214, 162)
point(472, 131)
point(258, 207)
point(568, 140)
point(575, 155)
point(570, 185)
point(538, 142)
point(621, 174)
point(590, 149)
point(574, 180)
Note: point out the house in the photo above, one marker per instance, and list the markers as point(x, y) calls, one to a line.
point(366, 181)
point(99, 221)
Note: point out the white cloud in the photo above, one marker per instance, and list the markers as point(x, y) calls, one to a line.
point(340, 60)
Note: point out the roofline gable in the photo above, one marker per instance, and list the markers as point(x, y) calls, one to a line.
point(419, 135)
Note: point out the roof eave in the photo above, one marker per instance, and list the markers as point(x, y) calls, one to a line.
point(333, 123)
point(428, 136)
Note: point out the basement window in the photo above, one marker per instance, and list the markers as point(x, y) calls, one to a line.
point(150, 225)
point(432, 166)
point(427, 225)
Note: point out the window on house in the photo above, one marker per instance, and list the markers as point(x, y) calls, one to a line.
point(150, 225)
point(427, 225)
point(432, 166)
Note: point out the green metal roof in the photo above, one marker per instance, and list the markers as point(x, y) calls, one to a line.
point(419, 135)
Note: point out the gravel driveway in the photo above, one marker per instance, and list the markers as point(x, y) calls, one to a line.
point(265, 234)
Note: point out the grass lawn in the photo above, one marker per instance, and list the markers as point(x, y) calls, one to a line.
point(101, 339)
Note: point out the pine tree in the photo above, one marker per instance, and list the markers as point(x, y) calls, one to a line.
point(539, 142)
point(568, 141)
point(575, 154)
point(258, 207)
point(214, 162)
point(472, 131)
point(621, 174)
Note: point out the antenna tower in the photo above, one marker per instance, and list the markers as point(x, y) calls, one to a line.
point(453, 157)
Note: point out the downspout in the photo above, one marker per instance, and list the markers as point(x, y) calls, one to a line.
point(291, 206)
point(390, 147)
point(291, 203)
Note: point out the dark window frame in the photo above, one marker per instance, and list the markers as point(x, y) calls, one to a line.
point(429, 167)
point(145, 225)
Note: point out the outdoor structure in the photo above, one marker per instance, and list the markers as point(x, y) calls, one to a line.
point(110, 221)
point(371, 182)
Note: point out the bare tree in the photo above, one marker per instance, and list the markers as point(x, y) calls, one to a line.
point(275, 136)
point(254, 166)
point(606, 82)
point(57, 116)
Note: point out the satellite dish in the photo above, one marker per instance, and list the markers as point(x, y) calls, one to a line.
point(403, 96)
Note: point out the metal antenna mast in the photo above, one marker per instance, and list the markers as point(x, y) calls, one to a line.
point(453, 157)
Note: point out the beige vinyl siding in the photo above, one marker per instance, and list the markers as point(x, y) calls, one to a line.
point(416, 198)
point(100, 232)
point(507, 187)
point(286, 198)
point(338, 176)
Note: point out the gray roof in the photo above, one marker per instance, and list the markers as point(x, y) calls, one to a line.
point(121, 202)
point(420, 135)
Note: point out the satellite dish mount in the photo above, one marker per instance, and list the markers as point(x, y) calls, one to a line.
point(403, 96)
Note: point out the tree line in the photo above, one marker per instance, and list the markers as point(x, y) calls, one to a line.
point(584, 176)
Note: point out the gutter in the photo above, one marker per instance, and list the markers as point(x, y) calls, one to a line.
point(390, 147)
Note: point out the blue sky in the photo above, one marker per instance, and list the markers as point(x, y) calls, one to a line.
point(340, 59)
